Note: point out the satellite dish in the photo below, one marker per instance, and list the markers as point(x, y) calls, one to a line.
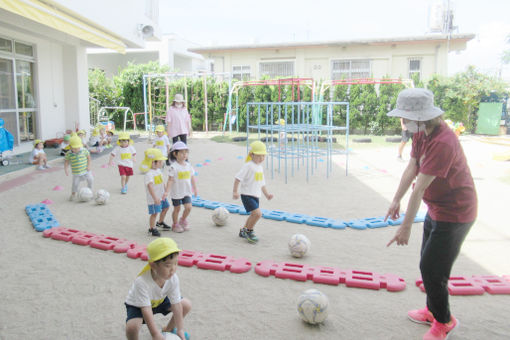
point(146, 31)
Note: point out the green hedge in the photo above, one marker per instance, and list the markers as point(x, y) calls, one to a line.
point(459, 96)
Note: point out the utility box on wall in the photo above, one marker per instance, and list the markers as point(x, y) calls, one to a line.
point(489, 118)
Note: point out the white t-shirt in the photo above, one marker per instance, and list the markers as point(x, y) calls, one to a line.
point(93, 140)
point(252, 179)
point(124, 156)
point(34, 153)
point(145, 292)
point(182, 174)
point(162, 143)
point(155, 177)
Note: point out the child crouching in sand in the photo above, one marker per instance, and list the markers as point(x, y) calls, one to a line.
point(157, 290)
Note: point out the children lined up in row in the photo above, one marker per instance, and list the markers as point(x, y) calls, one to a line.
point(181, 185)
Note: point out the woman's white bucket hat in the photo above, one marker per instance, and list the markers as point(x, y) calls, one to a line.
point(179, 98)
point(416, 104)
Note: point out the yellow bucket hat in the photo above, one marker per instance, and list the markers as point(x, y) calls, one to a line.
point(160, 128)
point(257, 148)
point(82, 132)
point(151, 154)
point(124, 136)
point(280, 122)
point(37, 141)
point(75, 142)
point(158, 249)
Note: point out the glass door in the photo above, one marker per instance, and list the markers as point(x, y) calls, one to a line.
point(8, 97)
point(26, 102)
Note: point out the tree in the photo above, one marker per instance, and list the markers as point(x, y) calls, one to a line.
point(459, 96)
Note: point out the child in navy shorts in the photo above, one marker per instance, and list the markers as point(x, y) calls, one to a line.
point(155, 189)
point(156, 290)
point(251, 178)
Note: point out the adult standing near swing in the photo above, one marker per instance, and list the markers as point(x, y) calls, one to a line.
point(178, 120)
point(444, 182)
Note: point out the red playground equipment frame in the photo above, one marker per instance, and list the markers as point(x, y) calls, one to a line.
point(295, 83)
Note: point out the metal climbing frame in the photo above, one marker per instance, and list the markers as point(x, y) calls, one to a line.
point(304, 134)
point(150, 117)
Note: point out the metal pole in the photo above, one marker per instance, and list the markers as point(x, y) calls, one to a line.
point(205, 103)
point(145, 101)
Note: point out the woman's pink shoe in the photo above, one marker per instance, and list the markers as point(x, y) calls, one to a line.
point(423, 316)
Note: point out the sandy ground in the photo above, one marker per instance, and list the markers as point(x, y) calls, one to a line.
point(57, 290)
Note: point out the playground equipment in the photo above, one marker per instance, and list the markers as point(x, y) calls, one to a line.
point(408, 83)
point(295, 83)
point(153, 84)
point(103, 116)
point(299, 127)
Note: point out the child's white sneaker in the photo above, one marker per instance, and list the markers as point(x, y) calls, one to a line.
point(47, 166)
point(72, 197)
point(40, 167)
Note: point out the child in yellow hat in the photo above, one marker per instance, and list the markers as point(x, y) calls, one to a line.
point(155, 189)
point(181, 185)
point(161, 141)
point(156, 290)
point(79, 158)
point(124, 155)
point(38, 156)
point(251, 178)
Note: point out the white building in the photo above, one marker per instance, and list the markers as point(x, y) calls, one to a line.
point(43, 60)
point(171, 50)
point(329, 60)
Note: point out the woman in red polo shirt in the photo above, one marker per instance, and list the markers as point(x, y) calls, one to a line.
point(444, 182)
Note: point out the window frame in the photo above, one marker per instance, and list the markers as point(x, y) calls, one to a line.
point(350, 70)
point(411, 72)
point(242, 73)
point(275, 61)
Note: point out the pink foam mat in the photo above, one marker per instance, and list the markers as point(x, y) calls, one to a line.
point(134, 250)
point(460, 285)
point(475, 285)
point(331, 275)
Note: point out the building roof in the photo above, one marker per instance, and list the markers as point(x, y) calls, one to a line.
point(334, 43)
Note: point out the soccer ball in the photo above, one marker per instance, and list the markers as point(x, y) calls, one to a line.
point(312, 306)
point(171, 336)
point(102, 196)
point(220, 216)
point(85, 194)
point(299, 244)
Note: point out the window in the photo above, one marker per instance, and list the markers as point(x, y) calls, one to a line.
point(24, 49)
point(241, 72)
point(276, 69)
point(415, 69)
point(350, 69)
point(18, 102)
point(5, 45)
